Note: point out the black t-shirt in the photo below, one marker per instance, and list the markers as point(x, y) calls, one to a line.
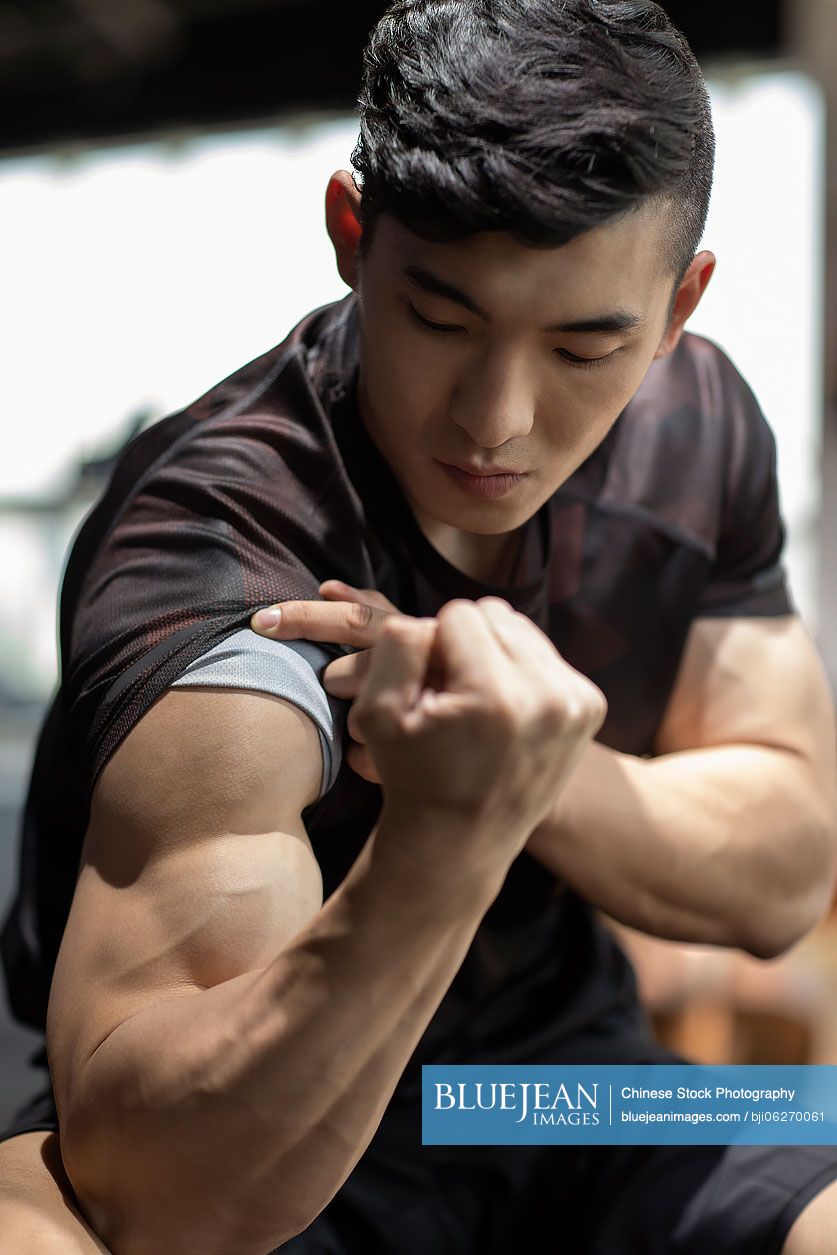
point(267, 485)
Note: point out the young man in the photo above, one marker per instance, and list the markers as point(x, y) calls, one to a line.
point(504, 434)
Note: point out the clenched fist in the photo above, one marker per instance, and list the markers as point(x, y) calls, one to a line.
point(472, 719)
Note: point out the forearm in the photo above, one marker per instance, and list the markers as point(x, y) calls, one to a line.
point(720, 845)
point(268, 1087)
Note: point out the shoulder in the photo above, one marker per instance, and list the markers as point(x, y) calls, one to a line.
point(695, 392)
point(683, 439)
point(247, 502)
point(300, 353)
point(282, 384)
point(262, 432)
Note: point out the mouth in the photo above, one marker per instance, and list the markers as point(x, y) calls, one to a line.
point(485, 483)
point(477, 472)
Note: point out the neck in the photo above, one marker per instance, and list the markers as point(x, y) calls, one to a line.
point(489, 559)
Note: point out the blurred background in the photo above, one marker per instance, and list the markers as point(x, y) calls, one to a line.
point(162, 171)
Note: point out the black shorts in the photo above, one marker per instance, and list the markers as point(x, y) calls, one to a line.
point(599, 1200)
point(403, 1198)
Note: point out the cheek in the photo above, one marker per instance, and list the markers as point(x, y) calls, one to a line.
point(401, 394)
point(405, 382)
point(593, 401)
point(578, 412)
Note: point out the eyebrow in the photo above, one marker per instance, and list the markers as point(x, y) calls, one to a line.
point(602, 324)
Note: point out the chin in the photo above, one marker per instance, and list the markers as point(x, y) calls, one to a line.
point(482, 518)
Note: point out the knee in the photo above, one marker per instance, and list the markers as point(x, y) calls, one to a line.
point(812, 1233)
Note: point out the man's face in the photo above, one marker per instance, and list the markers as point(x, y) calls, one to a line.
point(469, 355)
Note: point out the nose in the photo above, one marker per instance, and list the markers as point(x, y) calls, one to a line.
point(493, 400)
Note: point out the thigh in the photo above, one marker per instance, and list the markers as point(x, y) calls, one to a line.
point(394, 1201)
point(38, 1213)
point(465, 1200)
point(687, 1200)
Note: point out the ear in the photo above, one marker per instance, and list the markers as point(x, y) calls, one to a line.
point(342, 212)
point(686, 302)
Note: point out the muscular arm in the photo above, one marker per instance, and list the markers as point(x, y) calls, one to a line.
point(222, 1044)
point(728, 836)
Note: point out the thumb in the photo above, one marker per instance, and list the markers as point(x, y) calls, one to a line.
point(397, 667)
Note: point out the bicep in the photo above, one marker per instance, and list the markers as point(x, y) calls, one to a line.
point(196, 865)
point(754, 680)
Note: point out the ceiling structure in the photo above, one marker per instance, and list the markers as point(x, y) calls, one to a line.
point(81, 70)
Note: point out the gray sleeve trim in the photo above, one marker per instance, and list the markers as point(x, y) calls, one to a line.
point(288, 669)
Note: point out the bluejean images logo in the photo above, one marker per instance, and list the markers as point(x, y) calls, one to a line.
point(629, 1104)
point(538, 1101)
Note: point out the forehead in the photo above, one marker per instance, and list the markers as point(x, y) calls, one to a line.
point(619, 263)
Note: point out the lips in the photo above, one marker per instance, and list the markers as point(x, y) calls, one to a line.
point(480, 471)
point(484, 483)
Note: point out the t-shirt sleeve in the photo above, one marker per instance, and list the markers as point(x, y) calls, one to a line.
point(288, 669)
point(748, 575)
point(201, 525)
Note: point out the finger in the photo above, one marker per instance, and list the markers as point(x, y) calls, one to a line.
point(520, 637)
point(352, 727)
point(339, 623)
point(335, 590)
point(398, 663)
point(466, 652)
point(496, 611)
point(360, 761)
point(343, 676)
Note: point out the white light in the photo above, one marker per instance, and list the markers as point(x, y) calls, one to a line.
point(764, 301)
point(137, 277)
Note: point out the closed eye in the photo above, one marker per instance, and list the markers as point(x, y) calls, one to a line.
point(440, 328)
point(446, 329)
point(583, 362)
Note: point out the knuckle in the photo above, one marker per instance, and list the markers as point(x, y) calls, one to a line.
point(595, 702)
point(495, 601)
point(555, 700)
point(577, 712)
point(561, 708)
point(360, 615)
point(400, 625)
point(454, 606)
point(505, 710)
point(553, 711)
point(394, 627)
point(600, 708)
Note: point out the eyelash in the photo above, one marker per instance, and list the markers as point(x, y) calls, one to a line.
point(441, 329)
point(436, 328)
point(585, 363)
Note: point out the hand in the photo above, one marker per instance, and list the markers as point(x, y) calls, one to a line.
point(484, 751)
point(348, 616)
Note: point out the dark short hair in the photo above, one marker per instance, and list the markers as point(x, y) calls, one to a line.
point(543, 118)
